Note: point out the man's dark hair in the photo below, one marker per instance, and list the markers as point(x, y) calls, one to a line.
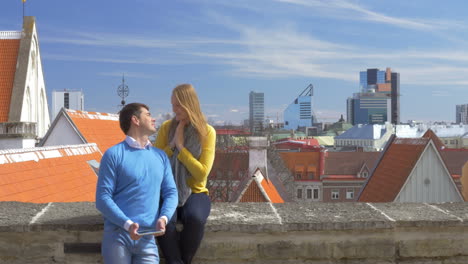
point(125, 115)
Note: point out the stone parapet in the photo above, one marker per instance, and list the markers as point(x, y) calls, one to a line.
point(315, 233)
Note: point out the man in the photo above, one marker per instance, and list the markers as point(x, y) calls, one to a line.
point(133, 177)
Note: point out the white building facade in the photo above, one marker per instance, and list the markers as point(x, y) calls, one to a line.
point(68, 99)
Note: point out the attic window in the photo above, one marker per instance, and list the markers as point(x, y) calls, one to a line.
point(365, 174)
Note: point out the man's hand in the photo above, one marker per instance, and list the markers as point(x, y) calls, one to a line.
point(161, 225)
point(133, 231)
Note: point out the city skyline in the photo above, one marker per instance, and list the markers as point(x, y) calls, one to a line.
point(227, 49)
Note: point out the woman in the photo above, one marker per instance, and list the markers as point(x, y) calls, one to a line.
point(189, 142)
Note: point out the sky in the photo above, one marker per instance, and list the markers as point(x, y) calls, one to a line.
point(228, 48)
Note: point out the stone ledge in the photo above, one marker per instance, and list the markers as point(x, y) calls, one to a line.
point(250, 217)
point(315, 233)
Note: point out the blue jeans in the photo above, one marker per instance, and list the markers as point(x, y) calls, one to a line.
point(180, 248)
point(118, 248)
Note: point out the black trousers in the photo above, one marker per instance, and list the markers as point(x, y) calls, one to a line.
point(180, 247)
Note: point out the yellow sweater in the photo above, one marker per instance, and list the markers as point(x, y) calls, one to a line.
point(199, 169)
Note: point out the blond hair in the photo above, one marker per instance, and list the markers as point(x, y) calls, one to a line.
point(187, 97)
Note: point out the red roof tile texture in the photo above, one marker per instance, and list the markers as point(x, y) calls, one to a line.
point(393, 170)
point(8, 56)
point(100, 128)
point(253, 194)
point(67, 178)
point(349, 163)
point(271, 191)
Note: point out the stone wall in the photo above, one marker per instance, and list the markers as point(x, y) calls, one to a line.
point(315, 233)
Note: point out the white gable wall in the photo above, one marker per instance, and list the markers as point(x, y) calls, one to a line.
point(63, 133)
point(430, 181)
point(35, 107)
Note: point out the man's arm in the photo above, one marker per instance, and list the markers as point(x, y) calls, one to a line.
point(168, 192)
point(104, 192)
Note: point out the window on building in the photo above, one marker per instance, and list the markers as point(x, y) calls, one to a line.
point(316, 194)
point(452, 141)
point(309, 193)
point(311, 175)
point(335, 194)
point(298, 175)
point(299, 193)
point(349, 194)
point(66, 100)
point(365, 174)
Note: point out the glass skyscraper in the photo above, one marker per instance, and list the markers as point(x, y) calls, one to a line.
point(378, 99)
point(462, 114)
point(299, 113)
point(256, 112)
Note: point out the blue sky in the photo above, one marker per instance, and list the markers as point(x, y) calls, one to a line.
point(227, 48)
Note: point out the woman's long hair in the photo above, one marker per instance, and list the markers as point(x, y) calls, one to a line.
point(188, 99)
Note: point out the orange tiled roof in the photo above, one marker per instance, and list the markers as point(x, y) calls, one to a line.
point(259, 189)
point(393, 169)
point(100, 128)
point(271, 191)
point(49, 174)
point(8, 56)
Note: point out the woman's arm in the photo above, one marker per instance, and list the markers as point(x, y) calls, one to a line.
point(200, 168)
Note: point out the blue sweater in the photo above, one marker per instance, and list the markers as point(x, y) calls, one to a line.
point(130, 184)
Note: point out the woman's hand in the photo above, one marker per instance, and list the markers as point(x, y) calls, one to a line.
point(179, 135)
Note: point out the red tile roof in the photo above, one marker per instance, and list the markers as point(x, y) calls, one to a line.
point(259, 189)
point(393, 169)
point(349, 163)
point(454, 160)
point(8, 56)
point(100, 128)
point(49, 174)
point(435, 139)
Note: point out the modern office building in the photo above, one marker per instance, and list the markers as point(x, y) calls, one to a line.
point(462, 114)
point(299, 113)
point(68, 99)
point(256, 112)
point(378, 100)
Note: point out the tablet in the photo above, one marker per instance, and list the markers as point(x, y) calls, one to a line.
point(144, 232)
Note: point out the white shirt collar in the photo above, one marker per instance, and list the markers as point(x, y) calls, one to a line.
point(134, 144)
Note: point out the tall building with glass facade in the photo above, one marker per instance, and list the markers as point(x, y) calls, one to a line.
point(378, 100)
point(256, 112)
point(462, 114)
point(299, 113)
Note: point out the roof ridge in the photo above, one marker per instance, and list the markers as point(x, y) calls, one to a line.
point(59, 147)
point(92, 115)
point(14, 34)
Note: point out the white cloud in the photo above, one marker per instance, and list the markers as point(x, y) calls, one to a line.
point(343, 9)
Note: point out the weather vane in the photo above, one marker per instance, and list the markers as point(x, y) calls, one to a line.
point(122, 91)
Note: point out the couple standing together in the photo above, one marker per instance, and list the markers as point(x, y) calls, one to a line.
point(143, 187)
